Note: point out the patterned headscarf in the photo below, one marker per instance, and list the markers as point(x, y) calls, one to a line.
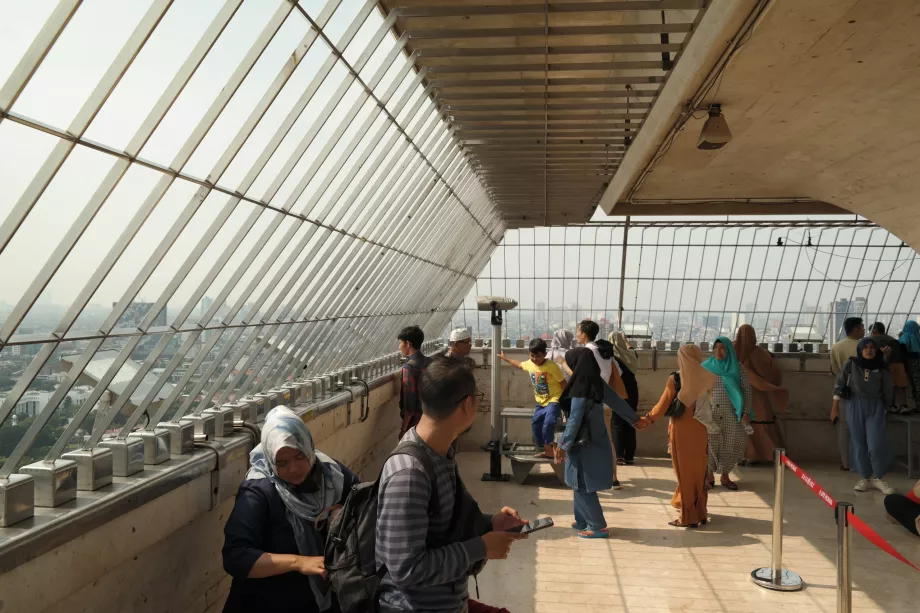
point(283, 428)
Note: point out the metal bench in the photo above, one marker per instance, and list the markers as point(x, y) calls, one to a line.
point(523, 455)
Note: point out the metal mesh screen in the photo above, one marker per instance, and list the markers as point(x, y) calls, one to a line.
point(695, 280)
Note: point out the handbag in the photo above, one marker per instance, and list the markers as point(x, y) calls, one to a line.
point(703, 413)
point(845, 393)
point(676, 408)
point(583, 436)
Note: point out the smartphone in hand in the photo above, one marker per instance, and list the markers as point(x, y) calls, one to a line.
point(534, 526)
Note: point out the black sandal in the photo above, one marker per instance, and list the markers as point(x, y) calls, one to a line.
point(676, 523)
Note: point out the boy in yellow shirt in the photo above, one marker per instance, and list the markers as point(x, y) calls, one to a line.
point(548, 382)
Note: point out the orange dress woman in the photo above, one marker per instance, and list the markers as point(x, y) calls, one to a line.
point(688, 436)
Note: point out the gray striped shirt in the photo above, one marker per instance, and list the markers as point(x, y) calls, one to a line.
point(418, 578)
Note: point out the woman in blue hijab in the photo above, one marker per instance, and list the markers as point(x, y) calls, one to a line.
point(910, 340)
point(274, 539)
point(732, 411)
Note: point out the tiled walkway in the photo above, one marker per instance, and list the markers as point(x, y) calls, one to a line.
point(651, 567)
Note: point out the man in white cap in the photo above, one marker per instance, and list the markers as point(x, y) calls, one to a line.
point(460, 345)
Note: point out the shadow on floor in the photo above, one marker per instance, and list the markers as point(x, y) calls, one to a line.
point(736, 540)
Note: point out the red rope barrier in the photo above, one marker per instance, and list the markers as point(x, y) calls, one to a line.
point(871, 535)
point(811, 483)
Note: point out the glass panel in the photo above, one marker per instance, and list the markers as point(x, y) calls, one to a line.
point(78, 60)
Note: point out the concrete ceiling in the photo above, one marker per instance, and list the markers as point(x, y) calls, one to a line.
point(545, 95)
point(823, 101)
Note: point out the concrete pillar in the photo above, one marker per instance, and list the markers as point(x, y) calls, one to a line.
point(704, 346)
point(661, 345)
point(646, 344)
point(793, 347)
point(519, 343)
point(777, 348)
point(506, 343)
point(675, 345)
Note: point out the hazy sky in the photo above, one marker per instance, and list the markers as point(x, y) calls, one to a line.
point(77, 62)
point(100, 28)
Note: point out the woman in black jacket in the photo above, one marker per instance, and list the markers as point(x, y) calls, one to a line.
point(628, 361)
point(274, 538)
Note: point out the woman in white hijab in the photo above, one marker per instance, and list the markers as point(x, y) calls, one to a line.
point(274, 538)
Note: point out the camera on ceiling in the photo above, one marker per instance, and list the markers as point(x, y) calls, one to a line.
point(715, 133)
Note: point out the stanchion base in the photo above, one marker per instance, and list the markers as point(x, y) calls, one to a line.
point(788, 581)
point(491, 477)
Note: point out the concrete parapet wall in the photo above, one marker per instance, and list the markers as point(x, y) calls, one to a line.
point(165, 556)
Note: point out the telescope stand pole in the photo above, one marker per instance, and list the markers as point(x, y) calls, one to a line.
point(495, 440)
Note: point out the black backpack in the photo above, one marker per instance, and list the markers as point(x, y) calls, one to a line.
point(676, 408)
point(351, 563)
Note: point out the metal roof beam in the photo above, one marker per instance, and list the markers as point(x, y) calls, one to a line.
point(541, 7)
point(454, 52)
point(552, 67)
point(629, 29)
point(624, 93)
point(524, 126)
point(561, 82)
point(596, 106)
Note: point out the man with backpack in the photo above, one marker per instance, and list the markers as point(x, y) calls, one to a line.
point(429, 550)
point(410, 406)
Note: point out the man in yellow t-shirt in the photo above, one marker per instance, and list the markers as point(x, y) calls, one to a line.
point(548, 383)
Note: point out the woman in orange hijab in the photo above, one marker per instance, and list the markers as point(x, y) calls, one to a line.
point(687, 435)
point(768, 395)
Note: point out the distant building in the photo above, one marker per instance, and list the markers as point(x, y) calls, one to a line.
point(839, 310)
point(34, 401)
point(738, 320)
point(133, 317)
point(135, 314)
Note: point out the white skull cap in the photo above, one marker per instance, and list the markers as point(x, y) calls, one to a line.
point(459, 334)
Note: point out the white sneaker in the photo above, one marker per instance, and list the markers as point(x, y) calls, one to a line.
point(883, 487)
point(862, 485)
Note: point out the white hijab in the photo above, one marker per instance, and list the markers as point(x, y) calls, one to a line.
point(283, 428)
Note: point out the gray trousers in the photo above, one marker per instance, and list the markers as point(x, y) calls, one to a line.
point(843, 436)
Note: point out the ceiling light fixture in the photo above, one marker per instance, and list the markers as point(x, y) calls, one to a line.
point(715, 133)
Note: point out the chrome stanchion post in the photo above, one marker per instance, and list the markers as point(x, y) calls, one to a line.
point(844, 589)
point(776, 577)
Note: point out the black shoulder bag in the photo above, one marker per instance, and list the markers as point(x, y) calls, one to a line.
point(676, 408)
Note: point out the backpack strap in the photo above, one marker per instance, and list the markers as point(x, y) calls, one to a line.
point(417, 451)
point(676, 376)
